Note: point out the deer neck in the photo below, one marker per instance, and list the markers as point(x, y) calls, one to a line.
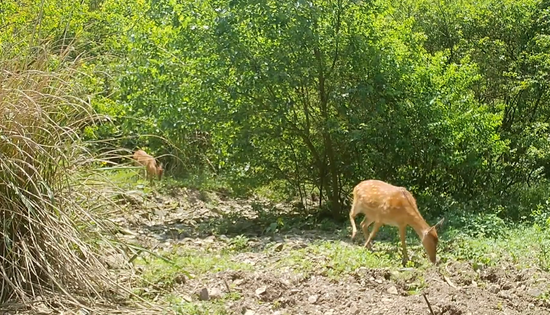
point(420, 227)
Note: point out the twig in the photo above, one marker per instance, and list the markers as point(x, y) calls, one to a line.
point(427, 302)
point(227, 286)
point(141, 250)
point(450, 283)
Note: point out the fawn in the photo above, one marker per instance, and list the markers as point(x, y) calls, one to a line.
point(383, 203)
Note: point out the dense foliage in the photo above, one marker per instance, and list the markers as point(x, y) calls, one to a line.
point(450, 99)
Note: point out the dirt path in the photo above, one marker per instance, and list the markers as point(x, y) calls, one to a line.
point(283, 273)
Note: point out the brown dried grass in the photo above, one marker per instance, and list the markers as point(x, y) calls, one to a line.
point(45, 229)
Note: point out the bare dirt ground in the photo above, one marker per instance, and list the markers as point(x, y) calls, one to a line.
point(186, 218)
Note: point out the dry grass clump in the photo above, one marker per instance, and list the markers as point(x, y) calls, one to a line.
point(45, 232)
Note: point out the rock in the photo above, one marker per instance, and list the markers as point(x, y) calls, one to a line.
point(504, 295)
point(115, 261)
point(215, 293)
point(535, 292)
point(238, 281)
point(179, 279)
point(493, 288)
point(354, 310)
point(249, 312)
point(84, 311)
point(41, 308)
point(278, 247)
point(312, 299)
point(203, 295)
point(506, 286)
point(261, 290)
point(392, 290)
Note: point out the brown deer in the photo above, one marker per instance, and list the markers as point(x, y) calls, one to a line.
point(383, 203)
point(151, 168)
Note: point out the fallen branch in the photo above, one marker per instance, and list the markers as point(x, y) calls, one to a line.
point(427, 302)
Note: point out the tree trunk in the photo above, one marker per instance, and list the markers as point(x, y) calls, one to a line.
point(333, 192)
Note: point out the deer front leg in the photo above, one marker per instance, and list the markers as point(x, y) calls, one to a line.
point(402, 235)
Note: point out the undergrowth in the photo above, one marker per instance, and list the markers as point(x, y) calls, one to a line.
point(50, 241)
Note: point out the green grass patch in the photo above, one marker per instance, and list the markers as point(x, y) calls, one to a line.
point(215, 307)
point(524, 246)
point(336, 258)
point(165, 273)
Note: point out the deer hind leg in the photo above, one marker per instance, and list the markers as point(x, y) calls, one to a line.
point(372, 234)
point(352, 214)
point(150, 176)
point(365, 226)
point(402, 235)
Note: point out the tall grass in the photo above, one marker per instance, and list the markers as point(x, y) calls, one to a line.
point(44, 229)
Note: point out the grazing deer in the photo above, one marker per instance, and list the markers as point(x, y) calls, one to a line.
point(382, 203)
point(151, 168)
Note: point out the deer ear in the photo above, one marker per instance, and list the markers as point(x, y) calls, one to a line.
point(437, 225)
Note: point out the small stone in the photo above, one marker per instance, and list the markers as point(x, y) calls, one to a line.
point(278, 247)
point(83, 311)
point(261, 290)
point(534, 292)
point(504, 295)
point(203, 295)
point(249, 312)
point(313, 299)
point(392, 290)
point(238, 281)
point(215, 293)
point(506, 286)
point(493, 288)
